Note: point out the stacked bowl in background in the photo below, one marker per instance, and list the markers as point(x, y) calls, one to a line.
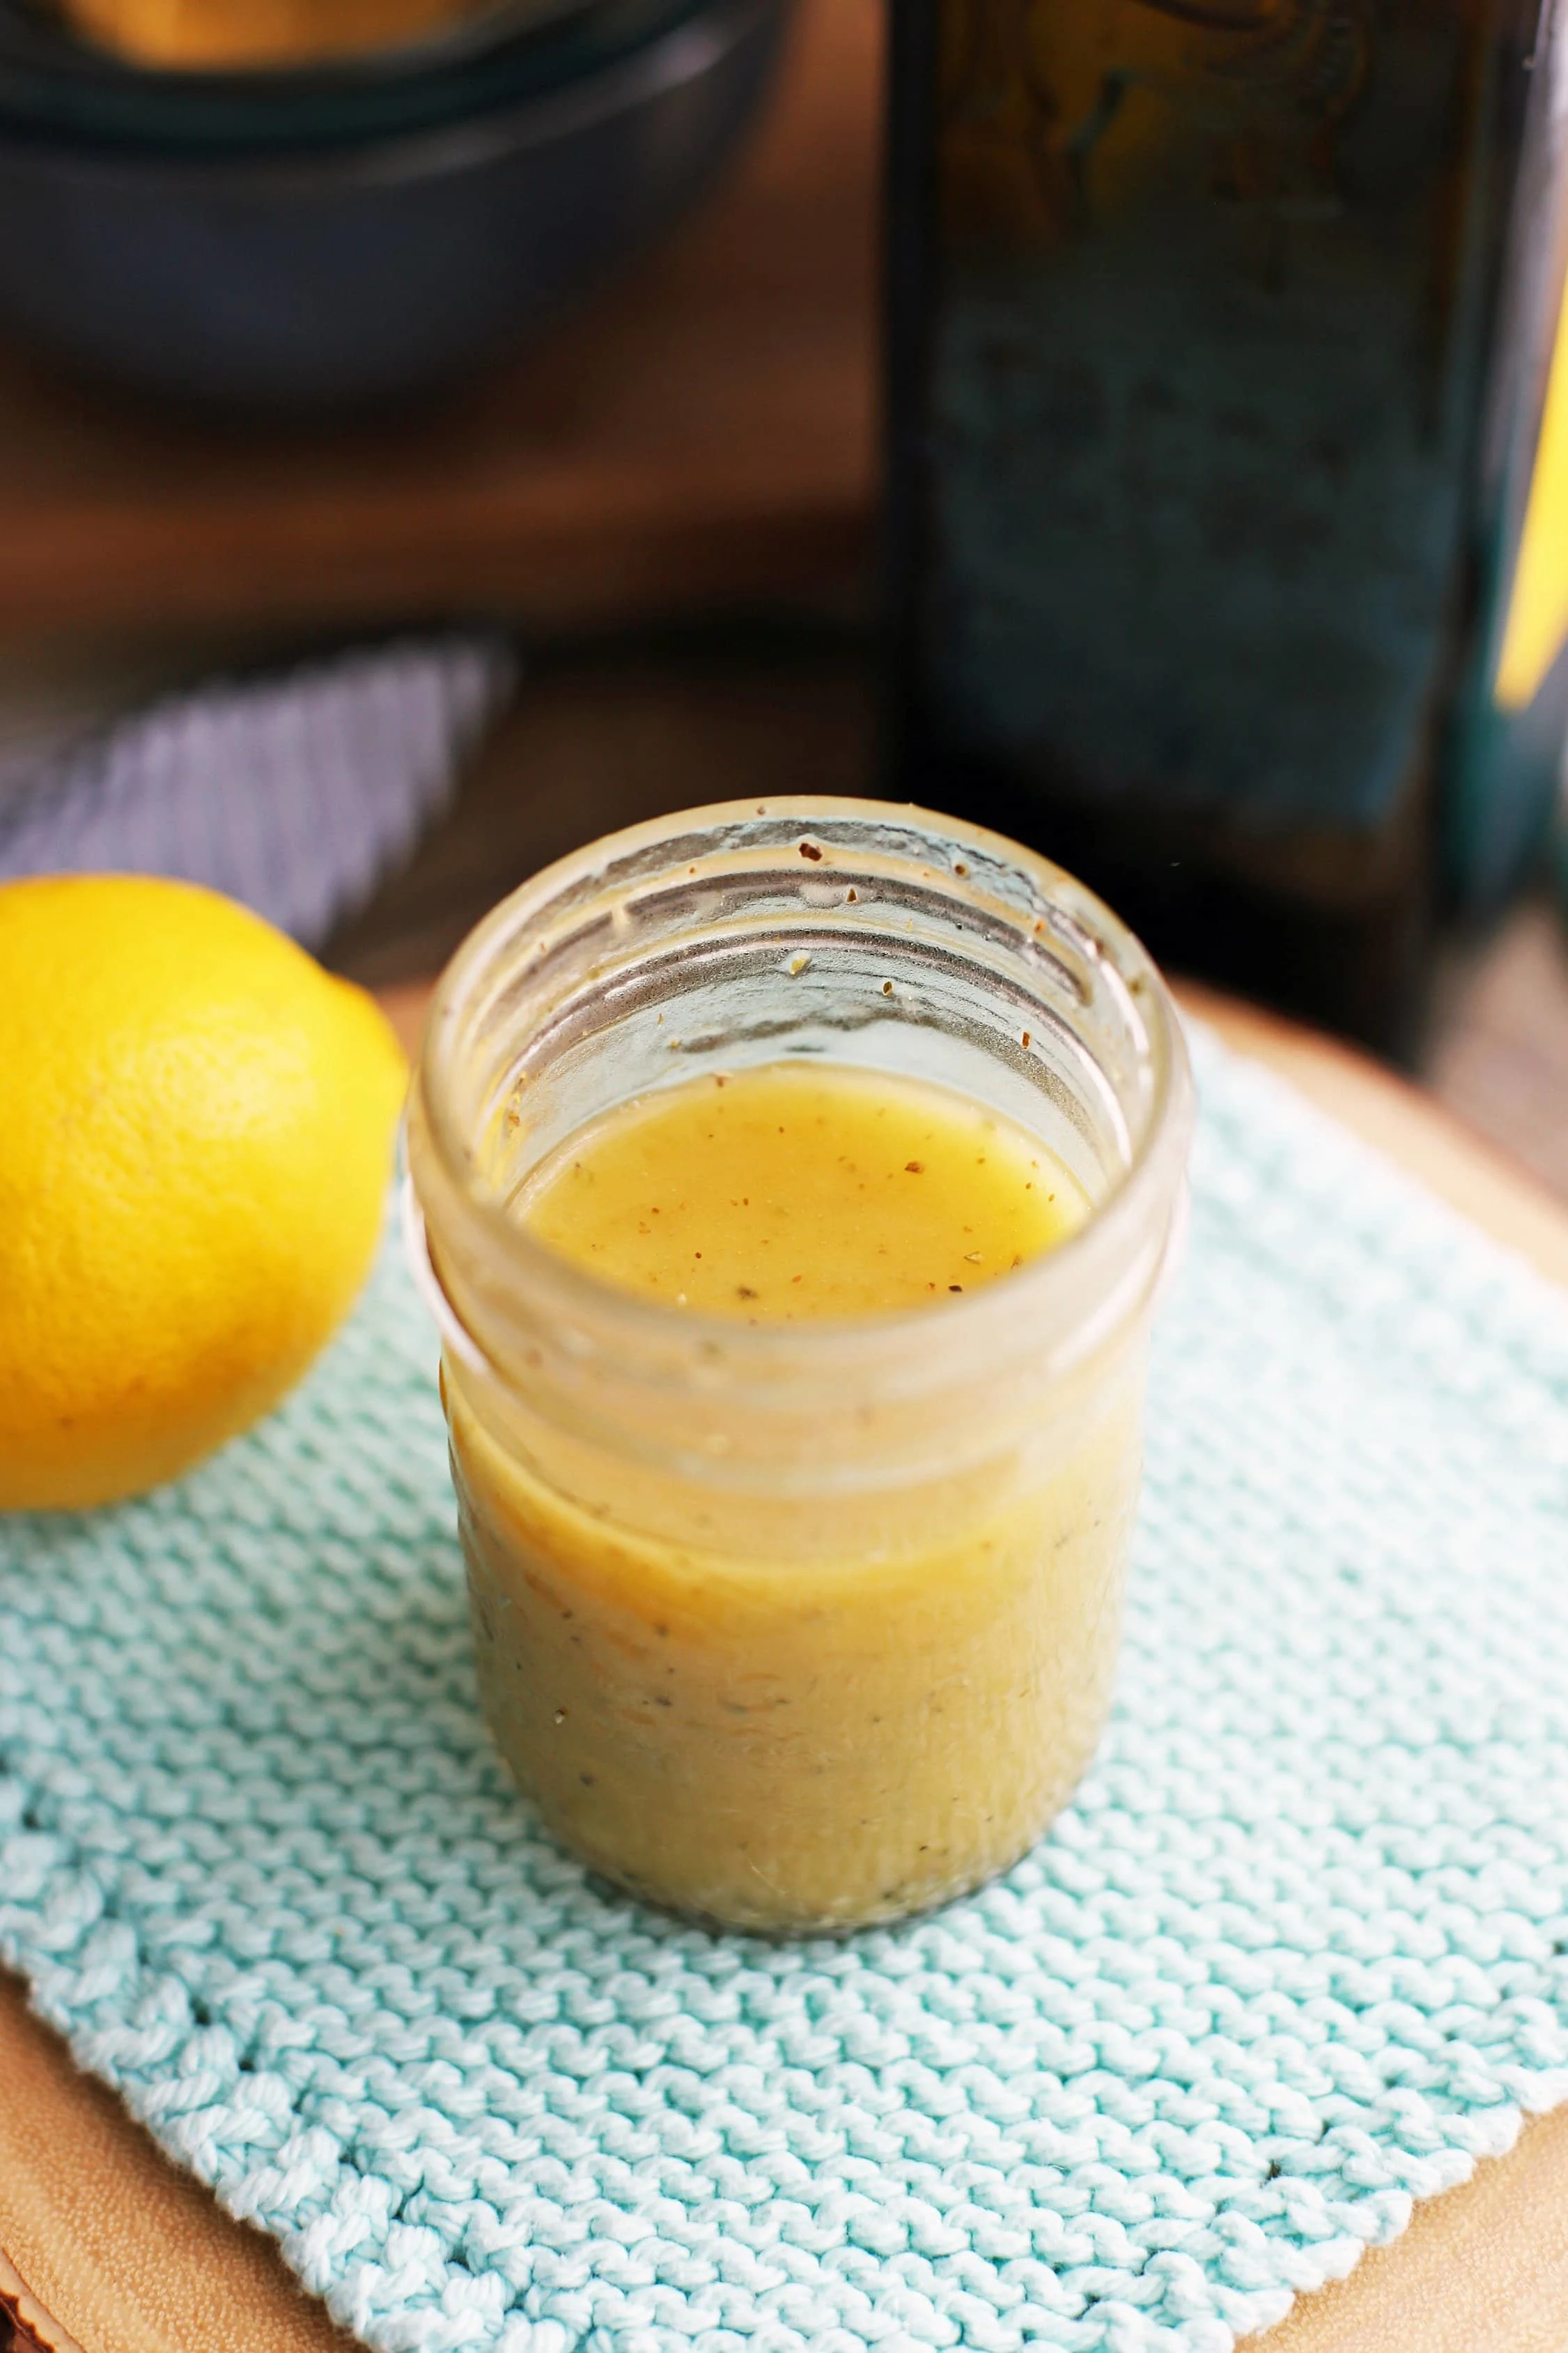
point(364, 228)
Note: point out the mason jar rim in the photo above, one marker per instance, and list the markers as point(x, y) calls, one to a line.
point(567, 1292)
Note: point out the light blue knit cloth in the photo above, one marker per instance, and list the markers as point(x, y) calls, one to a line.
point(1297, 1956)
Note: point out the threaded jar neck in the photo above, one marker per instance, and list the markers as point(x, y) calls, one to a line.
point(852, 931)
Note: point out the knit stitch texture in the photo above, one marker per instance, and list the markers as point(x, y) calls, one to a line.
point(295, 794)
point(1295, 1958)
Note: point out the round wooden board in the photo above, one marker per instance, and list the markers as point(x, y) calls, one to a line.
point(105, 2247)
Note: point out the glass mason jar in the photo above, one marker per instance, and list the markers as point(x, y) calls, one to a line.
point(813, 1625)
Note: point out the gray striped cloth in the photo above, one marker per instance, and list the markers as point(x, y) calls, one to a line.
point(296, 794)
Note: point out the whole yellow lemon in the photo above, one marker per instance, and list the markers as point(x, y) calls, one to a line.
point(195, 1140)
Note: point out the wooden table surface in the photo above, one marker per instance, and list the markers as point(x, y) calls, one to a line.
point(699, 436)
point(105, 2247)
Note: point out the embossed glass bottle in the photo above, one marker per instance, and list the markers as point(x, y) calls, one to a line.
point(1219, 348)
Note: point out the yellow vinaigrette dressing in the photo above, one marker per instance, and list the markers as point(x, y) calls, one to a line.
point(791, 1182)
point(826, 1711)
point(795, 1191)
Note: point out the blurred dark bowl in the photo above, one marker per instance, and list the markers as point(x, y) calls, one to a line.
point(335, 274)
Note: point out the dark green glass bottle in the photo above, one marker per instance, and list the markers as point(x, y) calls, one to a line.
point(1217, 351)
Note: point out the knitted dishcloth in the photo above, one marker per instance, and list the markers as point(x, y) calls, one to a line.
point(1297, 1956)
